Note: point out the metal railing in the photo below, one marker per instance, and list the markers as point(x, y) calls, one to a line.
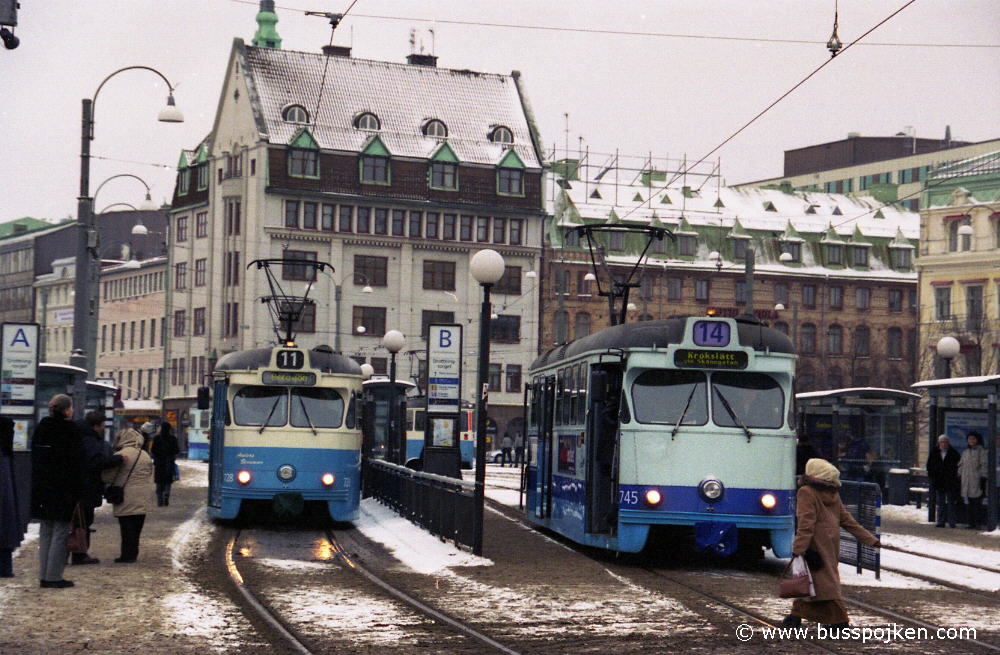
point(864, 501)
point(443, 506)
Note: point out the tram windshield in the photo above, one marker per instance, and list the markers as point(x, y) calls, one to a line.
point(255, 405)
point(669, 396)
point(316, 407)
point(751, 400)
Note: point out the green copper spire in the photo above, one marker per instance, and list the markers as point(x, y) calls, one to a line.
point(267, 35)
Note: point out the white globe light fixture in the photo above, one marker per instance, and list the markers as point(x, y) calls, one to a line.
point(785, 257)
point(487, 266)
point(170, 113)
point(714, 256)
point(148, 205)
point(531, 275)
point(631, 307)
point(140, 230)
point(590, 277)
point(360, 329)
point(965, 230)
point(779, 307)
point(367, 289)
point(948, 347)
point(393, 341)
point(367, 371)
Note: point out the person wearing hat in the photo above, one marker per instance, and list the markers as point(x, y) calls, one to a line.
point(164, 453)
point(942, 474)
point(819, 517)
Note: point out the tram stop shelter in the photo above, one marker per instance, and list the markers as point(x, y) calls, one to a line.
point(958, 406)
point(864, 431)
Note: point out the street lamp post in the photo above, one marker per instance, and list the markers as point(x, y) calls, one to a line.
point(487, 267)
point(393, 341)
point(85, 304)
point(947, 349)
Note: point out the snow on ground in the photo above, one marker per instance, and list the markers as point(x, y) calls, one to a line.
point(194, 473)
point(849, 576)
point(908, 513)
point(409, 543)
point(955, 573)
point(945, 549)
point(293, 565)
point(189, 611)
point(30, 537)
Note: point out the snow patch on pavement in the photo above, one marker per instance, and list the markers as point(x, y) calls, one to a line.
point(414, 547)
point(888, 580)
point(194, 473)
point(293, 565)
point(957, 552)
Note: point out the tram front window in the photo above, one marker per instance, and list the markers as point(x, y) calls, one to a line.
point(755, 400)
point(664, 396)
point(255, 405)
point(316, 407)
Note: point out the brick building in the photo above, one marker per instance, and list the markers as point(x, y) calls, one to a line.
point(832, 271)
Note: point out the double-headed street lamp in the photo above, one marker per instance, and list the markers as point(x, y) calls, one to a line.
point(487, 267)
point(85, 304)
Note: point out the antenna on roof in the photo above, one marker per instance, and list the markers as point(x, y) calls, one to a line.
point(413, 40)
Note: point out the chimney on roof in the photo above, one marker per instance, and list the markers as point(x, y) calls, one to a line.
point(420, 59)
point(853, 135)
point(337, 50)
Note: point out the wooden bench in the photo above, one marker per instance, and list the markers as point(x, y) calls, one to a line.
point(920, 494)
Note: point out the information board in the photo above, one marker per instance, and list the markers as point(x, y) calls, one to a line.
point(444, 369)
point(18, 368)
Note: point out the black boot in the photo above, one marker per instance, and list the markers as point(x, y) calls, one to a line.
point(791, 621)
point(166, 501)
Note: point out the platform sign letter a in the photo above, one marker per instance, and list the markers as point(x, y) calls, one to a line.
point(444, 340)
point(20, 337)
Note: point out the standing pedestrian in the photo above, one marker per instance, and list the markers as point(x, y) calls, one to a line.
point(505, 446)
point(10, 517)
point(518, 449)
point(164, 453)
point(819, 517)
point(97, 457)
point(135, 476)
point(942, 474)
point(972, 471)
point(57, 481)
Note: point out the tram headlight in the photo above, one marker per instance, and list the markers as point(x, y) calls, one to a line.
point(711, 490)
point(768, 501)
point(286, 472)
point(328, 479)
point(243, 477)
point(653, 497)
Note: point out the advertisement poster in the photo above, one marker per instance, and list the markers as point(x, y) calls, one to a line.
point(18, 369)
point(444, 431)
point(958, 425)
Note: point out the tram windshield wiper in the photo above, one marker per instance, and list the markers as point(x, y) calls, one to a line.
point(263, 425)
point(305, 413)
point(687, 405)
point(732, 414)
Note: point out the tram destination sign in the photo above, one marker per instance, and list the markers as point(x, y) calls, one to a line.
point(288, 379)
point(726, 359)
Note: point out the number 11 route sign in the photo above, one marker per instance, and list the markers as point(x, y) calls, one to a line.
point(444, 369)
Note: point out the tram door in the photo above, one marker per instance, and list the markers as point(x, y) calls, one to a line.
point(602, 428)
point(545, 446)
point(216, 443)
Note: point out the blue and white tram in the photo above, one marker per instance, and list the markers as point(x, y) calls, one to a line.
point(285, 431)
point(679, 427)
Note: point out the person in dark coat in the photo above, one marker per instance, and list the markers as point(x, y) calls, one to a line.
point(819, 517)
point(97, 457)
point(164, 453)
point(10, 518)
point(57, 485)
point(942, 474)
point(803, 453)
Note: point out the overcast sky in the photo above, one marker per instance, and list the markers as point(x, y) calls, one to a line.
point(672, 96)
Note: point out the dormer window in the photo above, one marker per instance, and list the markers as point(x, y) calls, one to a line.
point(435, 129)
point(501, 134)
point(295, 114)
point(368, 121)
point(834, 255)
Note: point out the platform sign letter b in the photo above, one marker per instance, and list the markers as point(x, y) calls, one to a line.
point(444, 340)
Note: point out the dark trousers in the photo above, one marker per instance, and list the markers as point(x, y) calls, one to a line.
point(88, 520)
point(974, 511)
point(518, 456)
point(505, 458)
point(131, 528)
point(6, 563)
point(947, 501)
point(163, 492)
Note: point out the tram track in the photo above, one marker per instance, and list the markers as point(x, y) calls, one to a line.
point(290, 634)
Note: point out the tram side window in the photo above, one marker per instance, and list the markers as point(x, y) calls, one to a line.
point(567, 408)
point(254, 405)
point(536, 402)
point(318, 407)
point(660, 396)
point(755, 398)
point(352, 411)
point(581, 384)
point(559, 398)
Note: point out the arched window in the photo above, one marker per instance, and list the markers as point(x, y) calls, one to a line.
point(501, 134)
point(436, 129)
point(958, 241)
point(834, 378)
point(835, 340)
point(368, 121)
point(807, 339)
point(581, 325)
point(862, 340)
point(295, 114)
point(894, 343)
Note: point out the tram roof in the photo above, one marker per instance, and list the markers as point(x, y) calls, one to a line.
point(865, 392)
point(658, 334)
point(326, 362)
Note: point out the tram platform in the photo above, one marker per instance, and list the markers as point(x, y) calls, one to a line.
point(911, 521)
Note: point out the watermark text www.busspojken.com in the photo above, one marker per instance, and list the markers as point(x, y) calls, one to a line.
point(882, 634)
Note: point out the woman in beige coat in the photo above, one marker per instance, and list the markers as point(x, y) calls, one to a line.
point(135, 476)
point(820, 515)
point(972, 471)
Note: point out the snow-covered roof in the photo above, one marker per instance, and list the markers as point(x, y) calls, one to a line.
point(853, 390)
point(402, 96)
point(958, 382)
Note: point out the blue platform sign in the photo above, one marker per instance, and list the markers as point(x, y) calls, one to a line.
point(444, 369)
point(18, 368)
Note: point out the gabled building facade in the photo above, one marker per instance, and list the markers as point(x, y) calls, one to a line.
point(394, 173)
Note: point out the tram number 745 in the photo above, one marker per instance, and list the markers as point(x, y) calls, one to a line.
point(628, 497)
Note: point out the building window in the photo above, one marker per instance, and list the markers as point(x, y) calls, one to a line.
point(561, 326)
point(807, 338)
point(430, 317)
point(675, 289)
point(510, 182)
point(201, 225)
point(231, 275)
point(180, 275)
point(182, 229)
point(859, 256)
point(306, 322)
point(398, 222)
point(310, 216)
point(686, 245)
point(582, 284)
point(781, 293)
point(501, 134)
point(499, 230)
point(513, 378)
point(362, 223)
point(834, 255)
point(505, 329)
point(431, 225)
point(298, 271)
point(862, 298)
point(439, 275)
point(295, 114)
point(367, 121)
point(495, 378)
point(200, 269)
point(616, 241)
point(973, 307)
point(895, 300)
point(381, 220)
point(836, 295)
point(510, 282)
point(346, 219)
point(233, 210)
point(562, 282)
point(292, 213)
point(371, 270)
point(483, 229)
point(942, 303)
point(516, 231)
point(958, 241)
point(180, 318)
point(374, 170)
point(198, 322)
point(741, 292)
point(465, 228)
point(794, 248)
point(835, 340)
point(861, 341)
point(740, 249)
point(202, 177)
point(894, 343)
point(303, 163)
point(435, 129)
point(701, 290)
point(370, 318)
point(581, 325)
point(444, 176)
point(902, 257)
point(416, 225)
point(184, 182)
point(809, 296)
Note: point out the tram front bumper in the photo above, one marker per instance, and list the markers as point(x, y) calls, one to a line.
point(780, 527)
